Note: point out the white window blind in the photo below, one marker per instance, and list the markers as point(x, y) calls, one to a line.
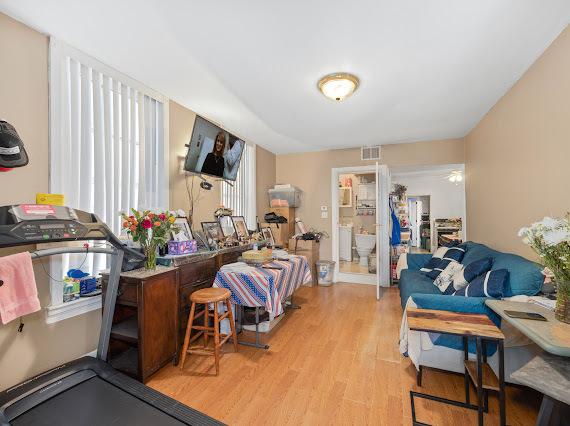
point(241, 196)
point(108, 143)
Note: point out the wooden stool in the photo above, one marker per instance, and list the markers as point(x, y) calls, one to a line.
point(206, 296)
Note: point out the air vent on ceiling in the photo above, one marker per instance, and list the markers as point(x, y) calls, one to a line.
point(370, 153)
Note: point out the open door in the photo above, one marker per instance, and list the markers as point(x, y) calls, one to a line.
point(382, 228)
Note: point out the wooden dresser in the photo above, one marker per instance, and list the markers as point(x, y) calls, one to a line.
point(152, 311)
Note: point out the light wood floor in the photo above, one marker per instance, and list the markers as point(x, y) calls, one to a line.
point(335, 361)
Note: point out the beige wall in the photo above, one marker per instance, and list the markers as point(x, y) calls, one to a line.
point(311, 172)
point(517, 167)
point(265, 164)
point(24, 103)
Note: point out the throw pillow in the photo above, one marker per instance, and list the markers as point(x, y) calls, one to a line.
point(435, 259)
point(455, 253)
point(491, 284)
point(445, 278)
point(438, 269)
point(472, 271)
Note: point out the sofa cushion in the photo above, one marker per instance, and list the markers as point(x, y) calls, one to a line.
point(414, 282)
point(435, 259)
point(444, 280)
point(491, 284)
point(472, 271)
point(524, 277)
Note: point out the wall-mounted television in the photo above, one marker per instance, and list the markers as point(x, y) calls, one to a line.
point(213, 151)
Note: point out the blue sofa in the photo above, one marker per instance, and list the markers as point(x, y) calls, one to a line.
point(525, 277)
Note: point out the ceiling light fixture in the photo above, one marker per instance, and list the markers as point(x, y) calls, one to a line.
point(338, 86)
point(456, 176)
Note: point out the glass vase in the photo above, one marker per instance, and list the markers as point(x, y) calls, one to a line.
point(562, 311)
point(150, 253)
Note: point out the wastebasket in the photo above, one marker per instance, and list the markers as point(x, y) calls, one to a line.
point(325, 272)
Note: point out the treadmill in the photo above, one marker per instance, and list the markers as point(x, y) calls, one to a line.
point(87, 391)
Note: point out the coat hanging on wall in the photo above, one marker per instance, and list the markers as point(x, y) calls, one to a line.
point(12, 151)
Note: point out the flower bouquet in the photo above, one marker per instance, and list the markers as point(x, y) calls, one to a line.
point(550, 239)
point(150, 230)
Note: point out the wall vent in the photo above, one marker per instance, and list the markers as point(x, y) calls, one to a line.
point(370, 152)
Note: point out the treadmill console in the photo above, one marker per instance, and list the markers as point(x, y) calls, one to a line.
point(37, 223)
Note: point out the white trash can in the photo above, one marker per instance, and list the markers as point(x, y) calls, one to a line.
point(325, 270)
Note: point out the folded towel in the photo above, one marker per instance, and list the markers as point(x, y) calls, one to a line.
point(18, 292)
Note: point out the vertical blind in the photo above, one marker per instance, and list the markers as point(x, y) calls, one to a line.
point(241, 196)
point(107, 141)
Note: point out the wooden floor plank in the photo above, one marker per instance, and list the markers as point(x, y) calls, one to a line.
point(334, 361)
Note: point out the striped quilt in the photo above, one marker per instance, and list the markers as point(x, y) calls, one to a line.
point(266, 287)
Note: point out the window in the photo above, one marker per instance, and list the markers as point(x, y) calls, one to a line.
point(241, 196)
point(108, 145)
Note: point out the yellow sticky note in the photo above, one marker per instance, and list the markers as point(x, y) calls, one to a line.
point(51, 199)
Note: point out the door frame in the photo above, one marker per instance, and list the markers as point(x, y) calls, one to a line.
point(370, 279)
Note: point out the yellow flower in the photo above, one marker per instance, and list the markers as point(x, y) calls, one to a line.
point(171, 219)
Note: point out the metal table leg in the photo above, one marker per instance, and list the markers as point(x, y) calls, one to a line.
point(479, 382)
point(257, 343)
point(466, 373)
point(502, 407)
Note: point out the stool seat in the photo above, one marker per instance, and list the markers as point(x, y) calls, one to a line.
point(210, 295)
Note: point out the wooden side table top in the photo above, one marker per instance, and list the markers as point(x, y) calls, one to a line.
point(551, 335)
point(461, 324)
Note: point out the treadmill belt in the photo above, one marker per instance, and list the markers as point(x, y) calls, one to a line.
point(94, 402)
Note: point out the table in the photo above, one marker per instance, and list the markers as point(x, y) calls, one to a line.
point(480, 373)
point(548, 373)
point(267, 287)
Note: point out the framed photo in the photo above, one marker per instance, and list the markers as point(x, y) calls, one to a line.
point(184, 233)
point(227, 225)
point(268, 235)
point(213, 232)
point(240, 227)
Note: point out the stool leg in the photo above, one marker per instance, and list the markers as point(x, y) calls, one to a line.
point(216, 339)
point(206, 323)
point(187, 336)
point(232, 324)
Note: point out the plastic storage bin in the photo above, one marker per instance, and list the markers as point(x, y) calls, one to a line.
point(284, 197)
point(325, 270)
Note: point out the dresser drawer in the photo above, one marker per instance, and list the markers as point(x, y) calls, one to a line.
point(187, 290)
point(199, 271)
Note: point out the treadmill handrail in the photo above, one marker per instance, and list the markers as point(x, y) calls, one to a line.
point(37, 254)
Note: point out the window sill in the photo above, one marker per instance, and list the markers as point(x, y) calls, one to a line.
point(56, 313)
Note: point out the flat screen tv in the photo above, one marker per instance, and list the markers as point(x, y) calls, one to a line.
point(213, 151)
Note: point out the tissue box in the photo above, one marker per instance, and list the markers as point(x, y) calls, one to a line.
point(182, 247)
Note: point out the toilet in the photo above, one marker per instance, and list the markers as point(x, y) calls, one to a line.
point(364, 245)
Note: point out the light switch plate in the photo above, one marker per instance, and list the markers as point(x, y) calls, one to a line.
point(324, 215)
point(324, 208)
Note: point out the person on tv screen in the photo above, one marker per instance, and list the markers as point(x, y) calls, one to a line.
point(214, 162)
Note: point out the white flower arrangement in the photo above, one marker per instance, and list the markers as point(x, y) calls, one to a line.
point(550, 239)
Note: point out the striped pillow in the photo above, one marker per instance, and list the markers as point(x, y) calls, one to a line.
point(435, 259)
point(439, 268)
point(455, 253)
point(491, 284)
point(472, 271)
point(444, 280)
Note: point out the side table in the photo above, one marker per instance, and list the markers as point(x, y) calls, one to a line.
point(480, 328)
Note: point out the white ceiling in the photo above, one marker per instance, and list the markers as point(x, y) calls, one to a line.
point(428, 69)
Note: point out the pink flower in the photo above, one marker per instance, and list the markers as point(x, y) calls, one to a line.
point(147, 224)
point(162, 216)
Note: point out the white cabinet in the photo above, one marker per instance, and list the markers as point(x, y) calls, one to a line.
point(366, 192)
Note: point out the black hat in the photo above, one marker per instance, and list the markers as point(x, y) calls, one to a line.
point(12, 152)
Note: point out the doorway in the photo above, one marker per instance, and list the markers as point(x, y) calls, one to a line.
point(360, 241)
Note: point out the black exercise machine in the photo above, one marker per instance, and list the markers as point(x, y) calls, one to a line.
point(87, 391)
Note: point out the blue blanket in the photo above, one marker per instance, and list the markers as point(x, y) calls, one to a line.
point(473, 305)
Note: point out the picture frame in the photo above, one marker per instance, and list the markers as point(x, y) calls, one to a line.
point(213, 233)
point(184, 232)
point(268, 235)
point(241, 227)
point(227, 225)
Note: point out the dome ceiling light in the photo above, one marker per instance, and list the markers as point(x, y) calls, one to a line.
point(338, 86)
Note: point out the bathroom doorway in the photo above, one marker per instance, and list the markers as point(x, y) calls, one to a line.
point(360, 224)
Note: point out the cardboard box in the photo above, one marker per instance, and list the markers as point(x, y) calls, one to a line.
point(309, 249)
point(289, 214)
